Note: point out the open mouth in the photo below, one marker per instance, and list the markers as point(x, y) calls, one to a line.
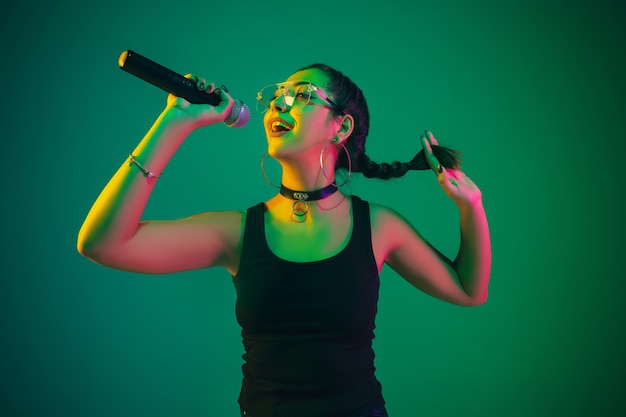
point(280, 126)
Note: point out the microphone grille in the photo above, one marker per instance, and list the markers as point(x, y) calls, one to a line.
point(239, 115)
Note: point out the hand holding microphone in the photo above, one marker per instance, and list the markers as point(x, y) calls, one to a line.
point(178, 85)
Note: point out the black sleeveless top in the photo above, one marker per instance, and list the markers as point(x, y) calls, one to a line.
point(307, 327)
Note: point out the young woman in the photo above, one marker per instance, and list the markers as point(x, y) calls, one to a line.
point(306, 262)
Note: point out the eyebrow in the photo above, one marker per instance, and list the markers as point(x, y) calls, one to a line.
point(296, 82)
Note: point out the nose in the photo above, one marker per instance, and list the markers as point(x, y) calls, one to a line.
point(278, 104)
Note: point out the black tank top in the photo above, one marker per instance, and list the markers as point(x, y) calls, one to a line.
point(307, 327)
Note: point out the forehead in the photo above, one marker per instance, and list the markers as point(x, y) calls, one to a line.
point(314, 75)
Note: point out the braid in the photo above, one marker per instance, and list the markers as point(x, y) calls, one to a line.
point(449, 158)
point(384, 171)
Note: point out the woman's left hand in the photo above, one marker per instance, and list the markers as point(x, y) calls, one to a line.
point(458, 186)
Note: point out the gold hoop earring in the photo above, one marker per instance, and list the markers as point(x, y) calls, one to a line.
point(263, 171)
point(332, 181)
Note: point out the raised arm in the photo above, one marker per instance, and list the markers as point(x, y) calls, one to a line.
point(465, 279)
point(113, 233)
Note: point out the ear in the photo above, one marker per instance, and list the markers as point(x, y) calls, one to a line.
point(346, 125)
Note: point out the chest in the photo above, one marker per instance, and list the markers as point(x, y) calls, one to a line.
point(308, 241)
point(315, 277)
point(335, 295)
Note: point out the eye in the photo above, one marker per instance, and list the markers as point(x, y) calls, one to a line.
point(302, 95)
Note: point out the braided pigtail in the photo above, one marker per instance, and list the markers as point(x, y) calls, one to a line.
point(384, 171)
point(449, 158)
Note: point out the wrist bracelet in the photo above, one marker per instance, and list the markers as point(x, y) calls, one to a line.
point(146, 173)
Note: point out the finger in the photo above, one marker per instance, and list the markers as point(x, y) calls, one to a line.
point(451, 185)
point(225, 92)
point(202, 84)
point(431, 138)
point(227, 101)
point(432, 160)
point(209, 88)
point(199, 82)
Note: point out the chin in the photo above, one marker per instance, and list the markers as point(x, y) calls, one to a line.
point(278, 148)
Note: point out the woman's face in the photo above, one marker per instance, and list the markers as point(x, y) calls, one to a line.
point(298, 127)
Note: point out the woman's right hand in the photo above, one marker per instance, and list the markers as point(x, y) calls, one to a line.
point(201, 115)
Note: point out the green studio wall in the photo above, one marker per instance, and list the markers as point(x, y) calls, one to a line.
point(532, 93)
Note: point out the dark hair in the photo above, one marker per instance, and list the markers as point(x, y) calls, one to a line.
point(350, 99)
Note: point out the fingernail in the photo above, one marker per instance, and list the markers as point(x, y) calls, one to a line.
point(224, 88)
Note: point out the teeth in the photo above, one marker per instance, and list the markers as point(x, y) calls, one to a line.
point(279, 125)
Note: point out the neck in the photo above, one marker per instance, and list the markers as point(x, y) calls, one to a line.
point(304, 177)
point(301, 199)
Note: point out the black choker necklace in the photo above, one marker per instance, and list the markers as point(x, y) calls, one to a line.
point(300, 207)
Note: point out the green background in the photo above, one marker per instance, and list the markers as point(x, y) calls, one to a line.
point(532, 92)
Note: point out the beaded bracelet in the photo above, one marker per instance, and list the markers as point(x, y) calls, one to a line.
point(146, 173)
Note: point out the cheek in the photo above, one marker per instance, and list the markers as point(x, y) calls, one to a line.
point(296, 114)
point(309, 119)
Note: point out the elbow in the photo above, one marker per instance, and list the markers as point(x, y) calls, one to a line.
point(471, 299)
point(89, 249)
point(81, 246)
point(86, 250)
point(97, 255)
point(477, 300)
point(83, 243)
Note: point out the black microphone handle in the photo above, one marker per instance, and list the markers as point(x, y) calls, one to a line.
point(176, 84)
point(164, 78)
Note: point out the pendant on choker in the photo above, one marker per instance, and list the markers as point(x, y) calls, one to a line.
point(300, 207)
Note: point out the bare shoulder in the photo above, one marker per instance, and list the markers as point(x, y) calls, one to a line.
point(222, 235)
point(386, 218)
point(390, 231)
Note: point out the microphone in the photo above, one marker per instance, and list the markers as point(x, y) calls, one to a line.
point(178, 85)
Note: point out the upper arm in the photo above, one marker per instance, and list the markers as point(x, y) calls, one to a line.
point(406, 251)
point(159, 247)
